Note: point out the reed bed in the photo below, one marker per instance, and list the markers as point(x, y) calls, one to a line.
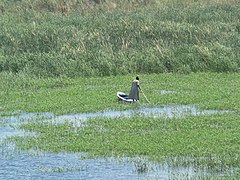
point(159, 37)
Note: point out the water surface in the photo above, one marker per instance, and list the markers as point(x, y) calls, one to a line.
point(34, 164)
point(169, 111)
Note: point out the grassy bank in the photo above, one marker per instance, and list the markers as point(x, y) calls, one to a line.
point(160, 36)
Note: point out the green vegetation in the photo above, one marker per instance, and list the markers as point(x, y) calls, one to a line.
point(36, 39)
point(73, 57)
point(210, 140)
point(67, 95)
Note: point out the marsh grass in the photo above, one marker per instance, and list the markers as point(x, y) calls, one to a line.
point(207, 141)
point(68, 95)
point(199, 141)
point(166, 36)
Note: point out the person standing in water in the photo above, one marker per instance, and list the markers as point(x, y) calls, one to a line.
point(134, 92)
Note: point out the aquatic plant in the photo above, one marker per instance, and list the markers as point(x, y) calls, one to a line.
point(67, 95)
point(204, 141)
point(141, 165)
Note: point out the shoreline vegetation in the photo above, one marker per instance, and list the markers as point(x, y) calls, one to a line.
point(75, 60)
point(146, 36)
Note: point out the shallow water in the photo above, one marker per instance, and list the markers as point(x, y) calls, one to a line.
point(32, 164)
point(70, 166)
point(177, 111)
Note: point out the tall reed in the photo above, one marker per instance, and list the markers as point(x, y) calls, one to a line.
point(147, 39)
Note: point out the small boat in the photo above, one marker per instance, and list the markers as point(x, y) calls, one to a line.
point(123, 97)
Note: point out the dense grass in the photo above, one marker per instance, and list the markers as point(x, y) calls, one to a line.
point(161, 36)
point(65, 95)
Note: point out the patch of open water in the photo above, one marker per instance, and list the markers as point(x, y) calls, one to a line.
point(170, 111)
point(71, 166)
point(32, 164)
point(42, 165)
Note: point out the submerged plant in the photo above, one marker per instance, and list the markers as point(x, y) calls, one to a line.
point(141, 165)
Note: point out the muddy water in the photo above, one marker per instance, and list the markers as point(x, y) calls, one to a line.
point(33, 164)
